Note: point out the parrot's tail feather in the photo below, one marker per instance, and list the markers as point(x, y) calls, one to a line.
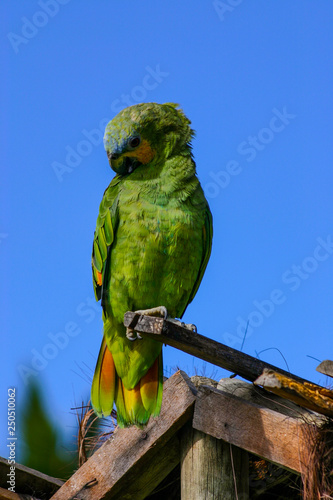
point(123, 418)
point(135, 406)
point(151, 387)
point(130, 401)
point(104, 382)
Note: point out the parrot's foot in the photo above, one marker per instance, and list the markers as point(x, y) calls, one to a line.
point(159, 311)
point(178, 322)
point(132, 335)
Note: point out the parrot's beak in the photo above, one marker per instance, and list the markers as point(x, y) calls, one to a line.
point(123, 164)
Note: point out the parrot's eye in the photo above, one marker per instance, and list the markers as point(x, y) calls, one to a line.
point(134, 142)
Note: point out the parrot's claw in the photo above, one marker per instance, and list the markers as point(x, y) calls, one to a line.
point(159, 311)
point(191, 326)
point(132, 335)
point(188, 326)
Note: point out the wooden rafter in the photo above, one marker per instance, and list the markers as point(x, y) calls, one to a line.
point(259, 430)
point(248, 367)
point(134, 461)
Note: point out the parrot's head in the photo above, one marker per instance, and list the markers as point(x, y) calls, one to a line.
point(145, 134)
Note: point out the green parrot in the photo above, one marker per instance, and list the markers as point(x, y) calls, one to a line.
point(151, 247)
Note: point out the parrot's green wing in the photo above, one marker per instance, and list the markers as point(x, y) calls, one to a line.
point(137, 404)
point(207, 235)
point(106, 226)
point(103, 386)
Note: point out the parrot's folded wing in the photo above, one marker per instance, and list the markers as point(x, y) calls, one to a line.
point(104, 235)
point(207, 235)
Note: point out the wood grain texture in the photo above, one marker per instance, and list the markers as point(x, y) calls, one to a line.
point(257, 429)
point(212, 468)
point(142, 479)
point(132, 454)
point(326, 367)
point(257, 395)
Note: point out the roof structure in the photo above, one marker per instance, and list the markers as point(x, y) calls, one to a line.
point(206, 431)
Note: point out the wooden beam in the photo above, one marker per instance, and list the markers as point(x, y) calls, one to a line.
point(29, 481)
point(326, 368)
point(202, 347)
point(305, 394)
point(212, 468)
point(142, 479)
point(9, 495)
point(130, 464)
point(258, 395)
point(266, 433)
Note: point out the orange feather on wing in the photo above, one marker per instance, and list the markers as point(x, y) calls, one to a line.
point(99, 278)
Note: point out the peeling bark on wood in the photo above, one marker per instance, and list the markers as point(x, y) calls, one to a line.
point(131, 456)
point(306, 394)
point(261, 431)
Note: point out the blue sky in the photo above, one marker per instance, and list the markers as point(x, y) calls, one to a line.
point(255, 78)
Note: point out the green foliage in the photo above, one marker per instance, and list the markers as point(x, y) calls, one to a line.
point(42, 440)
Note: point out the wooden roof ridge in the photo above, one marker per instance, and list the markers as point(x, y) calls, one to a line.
point(133, 462)
point(201, 419)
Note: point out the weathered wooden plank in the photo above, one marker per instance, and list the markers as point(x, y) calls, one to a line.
point(202, 347)
point(258, 395)
point(29, 481)
point(305, 394)
point(326, 367)
point(254, 428)
point(148, 474)
point(122, 458)
point(212, 468)
point(10, 495)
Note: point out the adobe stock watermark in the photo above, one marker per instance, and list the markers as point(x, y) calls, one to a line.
point(249, 149)
point(57, 342)
point(291, 280)
point(94, 137)
point(222, 8)
point(12, 438)
point(30, 27)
